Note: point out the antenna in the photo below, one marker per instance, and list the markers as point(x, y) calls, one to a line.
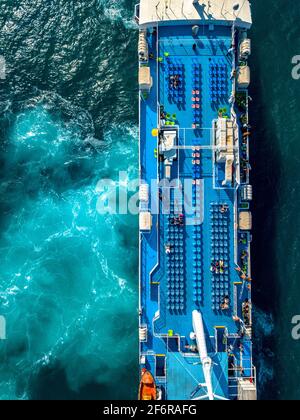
point(206, 362)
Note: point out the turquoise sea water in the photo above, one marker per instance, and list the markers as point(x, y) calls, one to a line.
point(68, 275)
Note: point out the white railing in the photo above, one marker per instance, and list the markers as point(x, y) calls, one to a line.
point(137, 13)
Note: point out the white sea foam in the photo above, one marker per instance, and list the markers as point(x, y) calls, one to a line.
point(115, 11)
point(80, 293)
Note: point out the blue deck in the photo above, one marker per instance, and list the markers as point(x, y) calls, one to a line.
point(174, 284)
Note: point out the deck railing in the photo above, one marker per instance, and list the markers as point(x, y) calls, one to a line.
point(137, 13)
point(234, 376)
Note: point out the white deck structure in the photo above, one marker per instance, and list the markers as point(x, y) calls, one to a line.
point(210, 11)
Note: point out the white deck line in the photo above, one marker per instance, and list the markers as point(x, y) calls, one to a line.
point(217, 12)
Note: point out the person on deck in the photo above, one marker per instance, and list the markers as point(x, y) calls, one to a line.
point(224, 208)
point(168, 248)
point(225, 304)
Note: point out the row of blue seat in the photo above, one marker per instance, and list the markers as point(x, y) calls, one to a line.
point(218, 292)
point(215, 209)
point(196, 233)
point(221, 281)
point(175, 290)
point(176, 238)
point(175, 281)
point(218, 75)
point(197, 265)
point(176, 256)
point(198, 283)
point(198, 119)
point(197, 95)
point(174, 300)
point(219, 298)
point(179, 71)
point(175, 269)
point(174, 231)
point(196, 175)
point(179, 90)
point(218, 90)
point(197, 77)
point(220, 251)
point(218, 65)
point(175, 264)
point(175, 307)
point(198, 253)
point(221, 244)
point(197, 238)
point(197, 71)
point(218, 82)
point(215, 99)
point(197, 116)
point(215, 221)
point(172, 292)
point(220, 236)
point(220, 232)
point(176, 94)
point(174, 228)
point(174, 65)
point(215, 217)
point(198, 294)
point(219, 228)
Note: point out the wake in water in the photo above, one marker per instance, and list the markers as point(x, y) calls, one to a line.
point(263, 344)
point(68, 275)
point(119, 10)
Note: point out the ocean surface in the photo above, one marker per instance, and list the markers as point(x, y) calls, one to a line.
point(68, 275)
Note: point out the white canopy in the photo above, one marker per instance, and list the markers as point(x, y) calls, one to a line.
point(144, 192)
point(208, 11)
point(168, 141)
point(145, 221)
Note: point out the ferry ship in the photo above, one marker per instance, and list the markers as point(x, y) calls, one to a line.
point(195, 310)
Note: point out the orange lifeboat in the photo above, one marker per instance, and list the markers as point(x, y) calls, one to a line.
point(147, 389)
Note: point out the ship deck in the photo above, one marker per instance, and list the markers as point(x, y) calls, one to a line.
point(173, 285)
